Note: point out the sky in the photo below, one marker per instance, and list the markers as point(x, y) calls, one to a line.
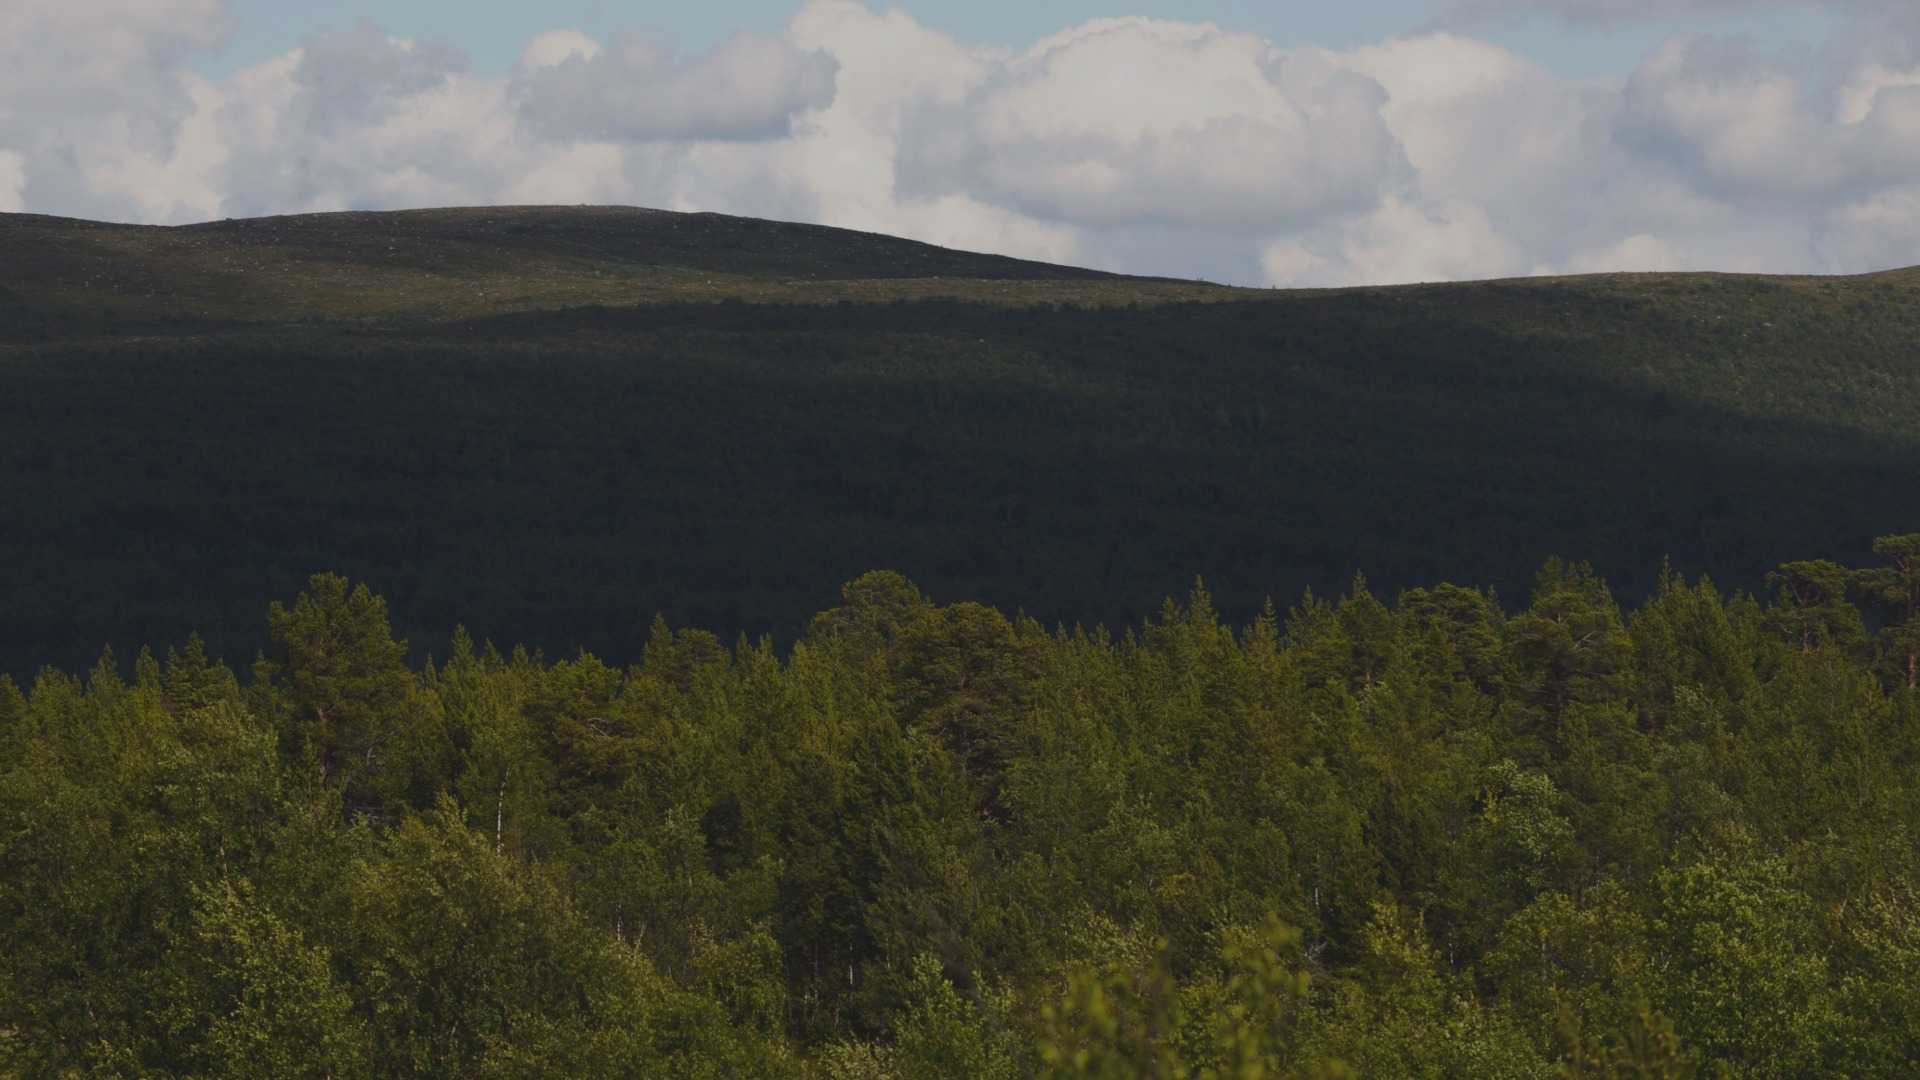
point(1270, 143)
point(494, 34)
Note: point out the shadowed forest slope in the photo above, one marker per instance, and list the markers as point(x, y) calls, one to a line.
point(555, 422)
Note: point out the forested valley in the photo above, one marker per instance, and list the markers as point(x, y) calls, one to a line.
point(1364, 835)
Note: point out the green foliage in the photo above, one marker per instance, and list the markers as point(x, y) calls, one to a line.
point(1879, 994)
point(253, 998)
point(1569, 647)
point(343, 684)
point(1812, 610)
point(1645, 1049)
point(1737, 963)
point(1895, 590)
point(1245, 1016)
point(1409, 838)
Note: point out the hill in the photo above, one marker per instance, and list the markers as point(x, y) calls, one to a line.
point(555, 422)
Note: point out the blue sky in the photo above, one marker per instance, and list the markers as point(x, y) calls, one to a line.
point(492, 34)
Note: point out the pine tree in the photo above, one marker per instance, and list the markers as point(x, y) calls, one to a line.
point(344, 681)
point(1895, 590)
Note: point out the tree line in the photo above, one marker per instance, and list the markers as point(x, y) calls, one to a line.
point(1406, 836)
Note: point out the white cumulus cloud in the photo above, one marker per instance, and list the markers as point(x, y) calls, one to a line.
point(13, 182)
point(557, 47)
point(1130, 121)
point(1133, 144)
point(748, 87)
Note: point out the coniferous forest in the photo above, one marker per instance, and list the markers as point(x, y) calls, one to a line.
point(550, 424)
point(1358, 836)
point(1003, 810)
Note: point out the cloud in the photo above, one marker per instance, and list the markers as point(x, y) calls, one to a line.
point(557, 47)
point(1754, 127)
point(85, 89)
point(1710, 156)
point(1131, 121)
point(61, 58)
point(1485, 128)
point(361, 77)
point(1401, 242)
point(1880, 230)
point(359, 118)
point(1637, 253)
point(13, 182)
point(1131, 144)
point(748, 87)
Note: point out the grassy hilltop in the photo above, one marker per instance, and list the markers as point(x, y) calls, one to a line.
point(554, 422)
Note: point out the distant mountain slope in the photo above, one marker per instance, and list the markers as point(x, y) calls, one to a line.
point(551, 423)
point(628, 235)
point(492, 237)
point(469, 261)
